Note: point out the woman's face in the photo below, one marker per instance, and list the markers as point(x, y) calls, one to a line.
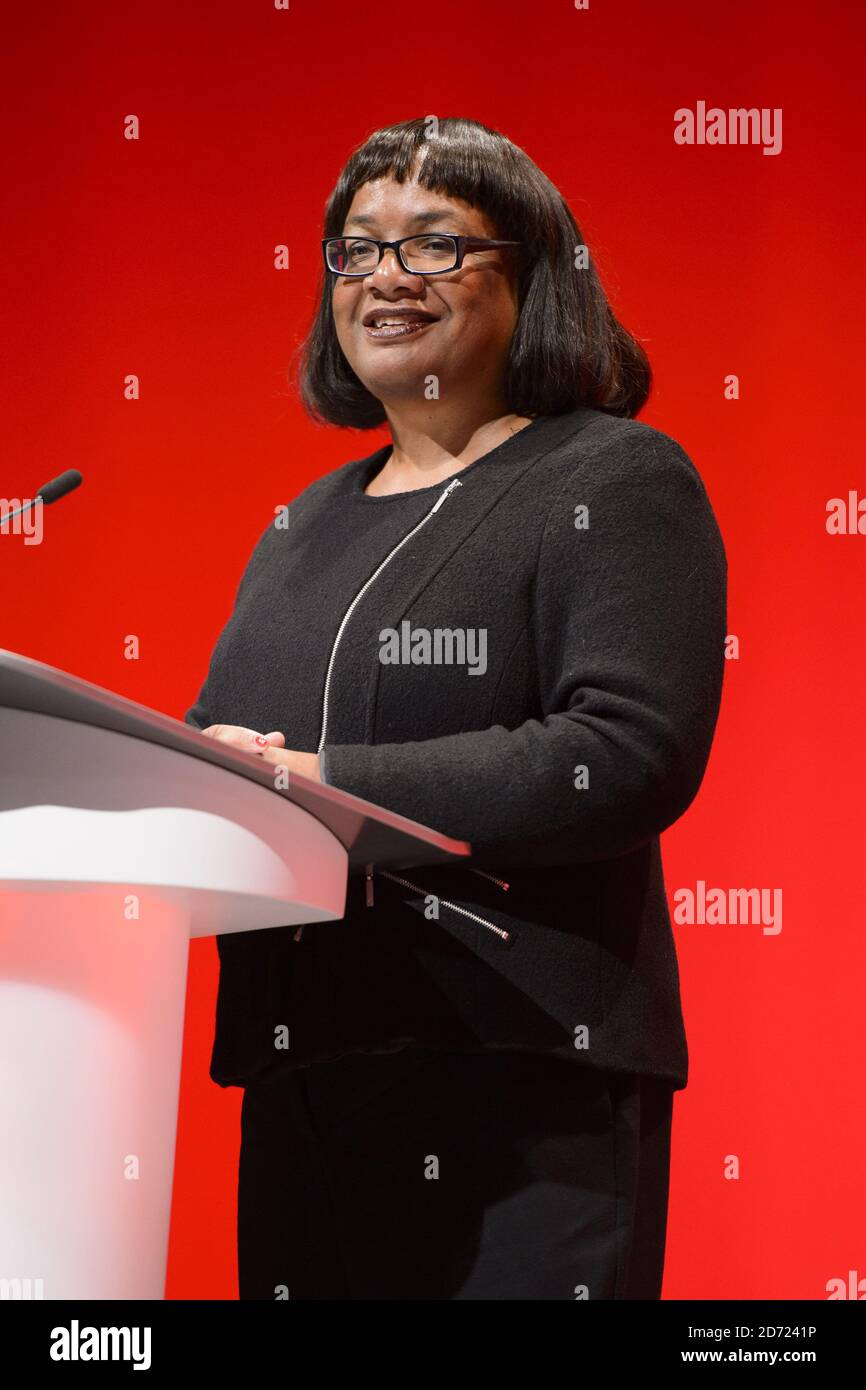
point(469, 314)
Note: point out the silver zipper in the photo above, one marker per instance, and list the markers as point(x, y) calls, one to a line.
point(369, 871)
point(464, 912)
point(455, 482)
point(493, 879)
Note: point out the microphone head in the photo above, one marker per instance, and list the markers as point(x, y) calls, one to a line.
point(59, 486)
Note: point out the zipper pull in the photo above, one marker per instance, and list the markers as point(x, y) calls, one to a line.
point(369, 885)
point(455, 482)
point(298, 933)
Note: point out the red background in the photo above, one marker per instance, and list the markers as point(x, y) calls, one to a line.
point(156, 257)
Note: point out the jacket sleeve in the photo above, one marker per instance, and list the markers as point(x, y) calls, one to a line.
point(200, 715)
point(197, 715)
point(629, 624)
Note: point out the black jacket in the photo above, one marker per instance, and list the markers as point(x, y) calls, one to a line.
point(581, 564)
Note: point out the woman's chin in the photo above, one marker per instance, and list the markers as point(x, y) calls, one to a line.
point(398, 379)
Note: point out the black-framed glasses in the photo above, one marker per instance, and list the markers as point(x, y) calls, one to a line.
point(432, 253)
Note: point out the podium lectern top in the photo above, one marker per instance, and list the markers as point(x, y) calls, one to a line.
point(370, 834)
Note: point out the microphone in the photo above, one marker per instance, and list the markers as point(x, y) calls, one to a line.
point(49, 492)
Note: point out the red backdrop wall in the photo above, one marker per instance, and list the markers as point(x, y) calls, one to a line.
point(155, 257)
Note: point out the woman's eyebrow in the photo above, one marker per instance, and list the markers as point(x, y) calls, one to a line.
point(423, 218)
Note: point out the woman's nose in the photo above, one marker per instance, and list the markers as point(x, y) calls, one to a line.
point(389, 270)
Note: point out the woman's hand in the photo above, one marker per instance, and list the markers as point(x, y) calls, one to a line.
point(271, 747)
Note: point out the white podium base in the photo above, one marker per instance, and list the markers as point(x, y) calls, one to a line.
point(89, 1078)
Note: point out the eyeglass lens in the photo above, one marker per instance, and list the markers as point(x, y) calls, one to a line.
point(357, 255)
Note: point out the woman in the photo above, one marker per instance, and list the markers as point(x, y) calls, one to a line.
point(506, 624)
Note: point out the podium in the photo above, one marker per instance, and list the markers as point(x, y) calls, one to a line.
point(123, 833)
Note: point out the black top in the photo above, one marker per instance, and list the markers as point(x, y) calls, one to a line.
point(528, 656)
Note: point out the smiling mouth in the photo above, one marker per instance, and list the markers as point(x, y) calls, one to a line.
point(385, 327)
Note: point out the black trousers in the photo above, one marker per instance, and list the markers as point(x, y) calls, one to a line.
point(442, 1175)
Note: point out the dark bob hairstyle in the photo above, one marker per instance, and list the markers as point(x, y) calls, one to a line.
point(568, 348)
